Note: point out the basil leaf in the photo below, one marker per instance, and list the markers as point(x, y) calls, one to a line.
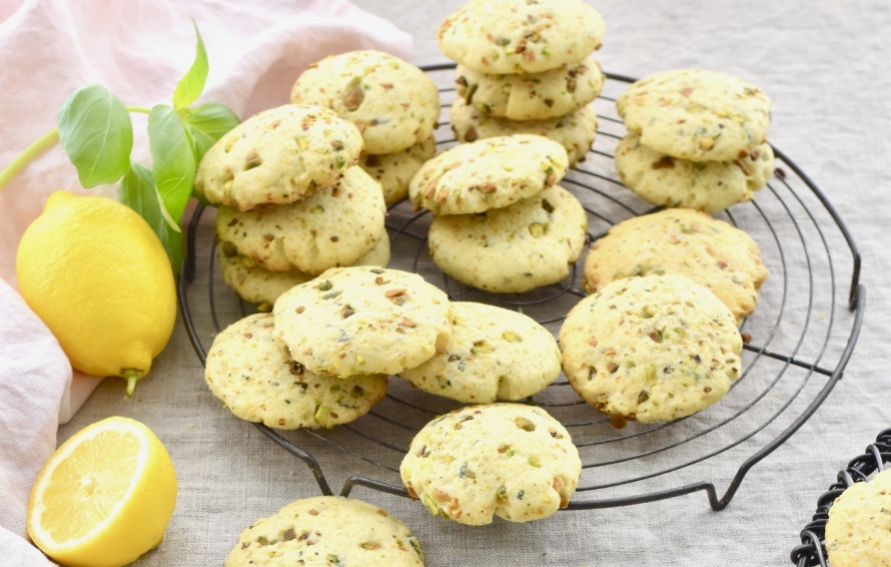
point(96, 133)
point(137, 190)
point(173, 160)
point(192, 84)
point(207, 124)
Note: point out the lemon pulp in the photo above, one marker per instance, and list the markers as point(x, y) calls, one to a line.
point(104, 497)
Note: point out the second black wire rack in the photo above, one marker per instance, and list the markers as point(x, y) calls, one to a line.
point(799, 340)
point(812, 551)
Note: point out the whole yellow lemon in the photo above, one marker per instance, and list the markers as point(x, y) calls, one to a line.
point(96, 274)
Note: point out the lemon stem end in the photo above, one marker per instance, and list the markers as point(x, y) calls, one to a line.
point(132, 377)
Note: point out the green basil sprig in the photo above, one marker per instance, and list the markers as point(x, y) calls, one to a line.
point(95, 130)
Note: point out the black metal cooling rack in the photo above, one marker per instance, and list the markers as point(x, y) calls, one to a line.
point(812, 551)
point(797, 343)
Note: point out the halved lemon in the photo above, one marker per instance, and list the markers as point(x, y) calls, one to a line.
point(104, 497)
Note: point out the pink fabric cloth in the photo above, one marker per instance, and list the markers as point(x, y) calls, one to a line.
point(139, 49)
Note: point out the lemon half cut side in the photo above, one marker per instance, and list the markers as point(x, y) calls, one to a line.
point(104, 497)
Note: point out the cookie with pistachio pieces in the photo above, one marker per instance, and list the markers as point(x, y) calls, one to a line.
point(488, 174)
point(858, 531)
point(392, 102)
point(531, 96)
point(574, 131)
point(520, 36)
point(278, 156)
point(494, 353)
point(696, 114)
point(394, 171)
point(508, 460)
point(515, 249)
point(709, 251)
point(259, 285)
point(363, 320)
point(709, 186)
point(335, 226)
point(653, 348)
point(327, 531)
point(258, 381)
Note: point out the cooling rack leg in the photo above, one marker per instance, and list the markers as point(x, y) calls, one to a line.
point(372, 484)
point(300, 454)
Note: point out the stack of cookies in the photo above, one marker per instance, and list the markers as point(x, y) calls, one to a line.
point(501, 223)
point(322, 357)
point(525, 67)
point(291, 202)
point(658, 338)
point(697, 139)
point(393, 103)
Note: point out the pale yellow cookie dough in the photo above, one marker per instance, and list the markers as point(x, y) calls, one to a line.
point(327, 531)
point(494, 353)
point(259, 285)
point(518, 36)
point(653, 348)
point(709, 186)
point(278, 156)
point(508, 460)
point(394, 171)
point(681, 241)
point(531, 96)
point(392, 102)
point(256, 379)
point(363, 320)
point(488, 174)
point(335, 226)
point(515, 249)
point(574, 131)
point(696, 114)
point(858, 532)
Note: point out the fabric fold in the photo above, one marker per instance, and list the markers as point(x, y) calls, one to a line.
point(138, 49)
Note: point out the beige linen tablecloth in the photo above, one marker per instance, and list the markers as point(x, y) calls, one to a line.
point(827, 67)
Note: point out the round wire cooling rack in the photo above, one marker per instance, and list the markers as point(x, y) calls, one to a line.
point(812, 550)
point(797, 343)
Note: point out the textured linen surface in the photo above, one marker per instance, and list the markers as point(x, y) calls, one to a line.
point(139, 50)
point(827, 67)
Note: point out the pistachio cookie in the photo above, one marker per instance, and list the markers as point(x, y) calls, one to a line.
point(393, 103)
point(256, 379)
point(327, 531)
point(858, 532)
point(394, 171)
point(697, 115)
point(653, 348)
point(259, 285)
point(710, 186)
point(487, 174)
point(362, 320)
point(335, 226)
point(278, 156)
point(508, 460)
point(709, 251)
point(494, 353)
point(517, 36)
point(531, 96)
point(574, 131)
point(527, 245)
